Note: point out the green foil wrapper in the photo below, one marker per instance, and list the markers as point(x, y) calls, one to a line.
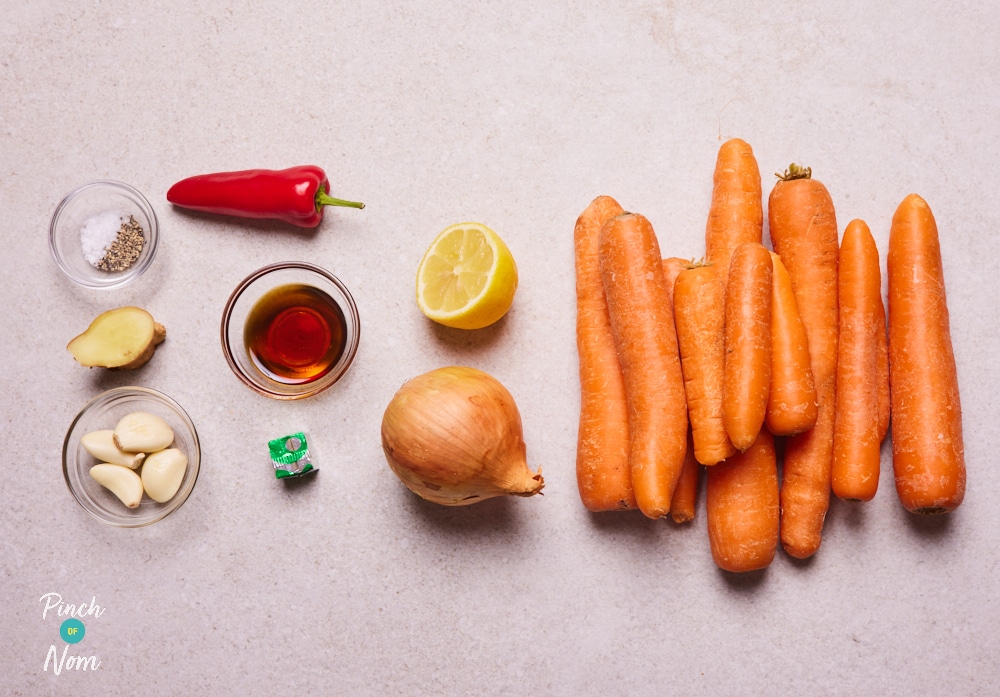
point(290, 456)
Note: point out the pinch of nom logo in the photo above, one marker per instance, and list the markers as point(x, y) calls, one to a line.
point(71, 631)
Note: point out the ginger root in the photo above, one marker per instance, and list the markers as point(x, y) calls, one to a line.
point(120, 339)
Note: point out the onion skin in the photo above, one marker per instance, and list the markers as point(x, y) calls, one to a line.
point(454, 437)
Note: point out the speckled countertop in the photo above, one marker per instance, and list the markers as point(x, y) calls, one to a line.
point(514, 114)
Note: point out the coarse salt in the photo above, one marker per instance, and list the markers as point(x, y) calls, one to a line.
point(97, 234)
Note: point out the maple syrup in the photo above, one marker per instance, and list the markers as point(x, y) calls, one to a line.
point(295, 333)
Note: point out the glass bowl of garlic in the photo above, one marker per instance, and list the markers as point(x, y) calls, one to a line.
point(131, 457)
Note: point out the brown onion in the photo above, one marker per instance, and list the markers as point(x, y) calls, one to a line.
point(454, 437)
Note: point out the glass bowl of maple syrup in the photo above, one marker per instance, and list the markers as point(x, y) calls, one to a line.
point(290, 330)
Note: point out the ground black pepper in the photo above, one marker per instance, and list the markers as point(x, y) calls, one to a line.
point(126, 247)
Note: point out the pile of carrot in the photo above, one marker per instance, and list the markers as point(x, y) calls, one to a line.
point(714, 367)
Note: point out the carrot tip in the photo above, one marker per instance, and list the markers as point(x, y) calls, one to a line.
point(794, 172)
point(931, 510)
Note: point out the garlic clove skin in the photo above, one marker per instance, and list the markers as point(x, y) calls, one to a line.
point(162, 474)
point(120, 481)
point(142, 432)
point(454, 437)
point(101, 444)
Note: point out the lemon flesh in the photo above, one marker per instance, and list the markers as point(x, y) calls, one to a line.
point(467, 277)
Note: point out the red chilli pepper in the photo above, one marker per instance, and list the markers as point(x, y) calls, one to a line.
point(295, 195)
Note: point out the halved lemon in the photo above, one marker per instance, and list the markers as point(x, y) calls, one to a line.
point(467, 277)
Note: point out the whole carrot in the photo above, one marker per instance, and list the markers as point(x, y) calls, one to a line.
point(699, 313)
point(803, 225)
point(602, 469)
point(791, 403)
point(685, 499)
point(928, 451)
point(741, 505)
point(747, 378)
point(736, 213)
point(642, 323)
point(856, 451)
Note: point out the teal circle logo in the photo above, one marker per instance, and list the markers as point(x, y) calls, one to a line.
point(72, 631)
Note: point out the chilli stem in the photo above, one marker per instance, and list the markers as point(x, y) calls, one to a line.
point(324, 199)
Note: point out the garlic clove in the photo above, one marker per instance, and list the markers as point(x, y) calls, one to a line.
point(142, 432)
point(120, 481)
point(162, 474)
point(101, 444)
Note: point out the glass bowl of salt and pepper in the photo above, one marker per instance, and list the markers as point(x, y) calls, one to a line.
point(103, 234)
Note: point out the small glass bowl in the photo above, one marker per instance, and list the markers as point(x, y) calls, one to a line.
point(246, 296)
point(103, 412)
point(84, 203)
